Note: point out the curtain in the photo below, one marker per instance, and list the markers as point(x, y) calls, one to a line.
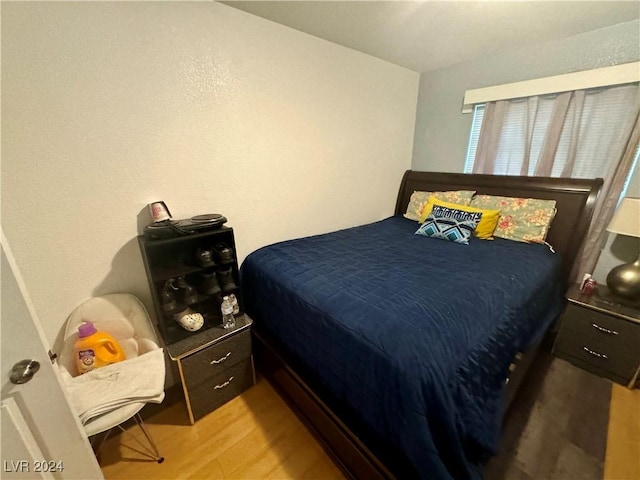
point(579, 134)
point(606, 204)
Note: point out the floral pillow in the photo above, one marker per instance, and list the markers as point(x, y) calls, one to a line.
point(419, 199)
point(521, 219)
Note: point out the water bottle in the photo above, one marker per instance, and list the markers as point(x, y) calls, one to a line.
point(234, 304)
point(228, 320)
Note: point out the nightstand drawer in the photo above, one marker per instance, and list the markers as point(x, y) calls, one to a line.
point(217, 358)
point(599, 325)
point(601, 353)
point(218, 390)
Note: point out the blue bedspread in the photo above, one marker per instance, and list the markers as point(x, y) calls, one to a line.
point(416, 334)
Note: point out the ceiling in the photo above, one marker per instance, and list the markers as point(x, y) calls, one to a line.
point(427, 35)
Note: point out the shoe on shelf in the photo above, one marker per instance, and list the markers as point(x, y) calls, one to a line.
point(189, 320)
point(168, 298)
point(208, 283)
point(188, 292)
point(225, 278)
point(168, 301)
point(223, 253)
point(205, 257)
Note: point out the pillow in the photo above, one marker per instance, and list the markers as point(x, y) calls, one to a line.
point(453, 225)
point(486, 225)
point(521, 219)
point(419, 199)
point(444, 211)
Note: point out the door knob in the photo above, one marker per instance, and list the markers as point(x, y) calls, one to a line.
point(23, 371)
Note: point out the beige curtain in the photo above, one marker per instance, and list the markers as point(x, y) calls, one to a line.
point(489, 139)
point(606, 205)
point(572, 134)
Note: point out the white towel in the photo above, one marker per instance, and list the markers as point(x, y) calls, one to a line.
point(140, 379)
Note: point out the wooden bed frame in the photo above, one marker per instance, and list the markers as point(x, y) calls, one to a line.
point(347, 442)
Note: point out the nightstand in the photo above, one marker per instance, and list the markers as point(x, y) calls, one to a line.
point(215, 366)
point(601, 335)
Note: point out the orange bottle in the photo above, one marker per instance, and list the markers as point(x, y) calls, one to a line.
point(95, 349)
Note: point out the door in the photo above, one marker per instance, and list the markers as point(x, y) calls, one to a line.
point(41, 435)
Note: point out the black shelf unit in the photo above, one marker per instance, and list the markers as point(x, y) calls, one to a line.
point(174, 257)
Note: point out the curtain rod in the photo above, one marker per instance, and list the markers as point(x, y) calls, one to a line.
point(599, 77)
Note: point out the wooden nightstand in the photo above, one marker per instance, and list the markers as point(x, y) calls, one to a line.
point(601, 335)
point(215, 366)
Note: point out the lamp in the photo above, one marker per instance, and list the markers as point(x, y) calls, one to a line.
point(624, 280)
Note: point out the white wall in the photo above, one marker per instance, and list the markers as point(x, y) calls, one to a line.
point(442, 131)
point(109, 106)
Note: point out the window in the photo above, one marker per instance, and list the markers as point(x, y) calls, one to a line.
point(596, 125)
point(474, 136)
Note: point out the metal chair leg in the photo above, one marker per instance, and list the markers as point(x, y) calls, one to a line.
point(154, 449)
point(150, 450)
point(96, 450)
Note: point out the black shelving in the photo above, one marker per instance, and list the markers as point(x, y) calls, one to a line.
point(170, 258)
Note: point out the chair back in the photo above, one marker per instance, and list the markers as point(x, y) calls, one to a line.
point(120, 314)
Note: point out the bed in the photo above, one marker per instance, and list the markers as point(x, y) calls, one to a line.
point(399, 352)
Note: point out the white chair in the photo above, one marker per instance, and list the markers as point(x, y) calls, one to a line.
point(107, 397)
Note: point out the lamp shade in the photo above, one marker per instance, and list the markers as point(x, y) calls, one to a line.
point(626, 220)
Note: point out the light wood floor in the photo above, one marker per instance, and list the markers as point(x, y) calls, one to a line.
point(623, 441)
point(256, 436)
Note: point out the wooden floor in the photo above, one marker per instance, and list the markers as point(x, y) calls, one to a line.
point(254, 436)
point(557, 430)
point(623, 444)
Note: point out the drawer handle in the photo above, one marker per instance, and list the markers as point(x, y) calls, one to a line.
point(604, 330)
point(220, 360)
point(595, 354)
point(222, 385)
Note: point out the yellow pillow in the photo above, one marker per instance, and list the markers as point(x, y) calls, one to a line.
point(485, 228)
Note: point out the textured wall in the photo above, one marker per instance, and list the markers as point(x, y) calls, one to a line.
point(109, 106)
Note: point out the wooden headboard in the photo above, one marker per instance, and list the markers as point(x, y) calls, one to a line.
point(575, 200)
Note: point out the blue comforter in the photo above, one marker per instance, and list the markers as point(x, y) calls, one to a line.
point(416, 334)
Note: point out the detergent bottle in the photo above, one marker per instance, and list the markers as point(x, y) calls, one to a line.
point(95, 349)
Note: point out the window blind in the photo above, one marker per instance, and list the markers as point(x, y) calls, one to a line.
point(596, 129)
